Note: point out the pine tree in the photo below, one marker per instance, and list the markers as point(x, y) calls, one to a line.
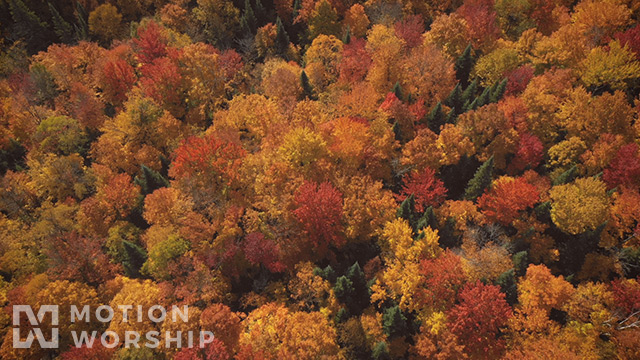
point(81, 27)
point(452, 116)
point(260, 13)
point(463, 66)
point(484, 98)
point(134, 258)
point(454, 100)
point(27, 25)
point(343, 289)
point(428, 219)
point(469, 93)
point(282, 38)
point(249, 18)
point(499, 91)
point(394, 322)
point(407, 210)
point(436, 118)
point(397, 90)
point(307, 89)
point(347, 36)
point(150, 180)
point(297, 5)
point(381, 351)
point(567, 176)
point(480, 181)
point(61, 27)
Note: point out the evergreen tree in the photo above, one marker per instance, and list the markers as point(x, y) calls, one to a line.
point(567, 176)
point(347, 36)
point(469, 93)
point(428, 219)
point(436, 118)
point(27, 26)
point(282, 38)
point(249, 16)
point(484, 98)
point(297, 5)
point(381, 351)
point(307, 89)
point(407, 210)
point(452, 116)
point(454, 100)
point(397, 90)
point(343, 289)
point(61, 27)
point(480, 181)
point(260, 13)
point(394, 322)
point(81, 27)
point(463, 66)
point(499, 91)
point(134, 258)
point(342, 316)
point(150, 180)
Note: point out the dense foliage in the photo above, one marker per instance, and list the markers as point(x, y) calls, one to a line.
point(385, 179)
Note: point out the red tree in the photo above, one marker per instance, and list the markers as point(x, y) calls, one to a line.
point(151, 43)
point(427, 189)
point(410, 29)
point(213, 160)
point(624, 169)
point(477, 319)
point(319, 211)
point(118, 80)
point(518, 79)
point(630, 38)
point(262, 251)
point(355, 61)
point(530, 152)
point(443, 277)
point(506, 198)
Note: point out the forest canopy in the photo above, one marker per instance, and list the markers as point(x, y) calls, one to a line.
point(325, 179)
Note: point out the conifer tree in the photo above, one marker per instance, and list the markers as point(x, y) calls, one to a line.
point(347, 36)
point(150, 180)
point(282, 38)
point(469, 93)
point(61, 27)
point(27, 25)
point(436, 118)
point(397, 90)
point(394, 322)
point(454, 100)
point(463, 66)
point(480, 181)
point(381, 351)
point(499, 91)
point(307, 89)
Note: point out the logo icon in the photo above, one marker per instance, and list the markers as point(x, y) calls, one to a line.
point(35, 322)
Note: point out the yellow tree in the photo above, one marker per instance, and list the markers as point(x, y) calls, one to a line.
point(579, 206)
point(322, 59)
point(615, 67)
point(428, 74)
point(402, 253)
point(105, 23)
point(386, 52)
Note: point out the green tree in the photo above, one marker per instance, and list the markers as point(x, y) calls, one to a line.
point(480, 181)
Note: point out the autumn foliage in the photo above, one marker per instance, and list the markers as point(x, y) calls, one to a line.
point(324, 179)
